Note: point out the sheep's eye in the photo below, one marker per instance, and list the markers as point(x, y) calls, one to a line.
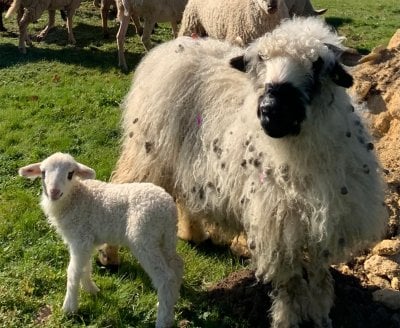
point(43, 174)
point(70, 175)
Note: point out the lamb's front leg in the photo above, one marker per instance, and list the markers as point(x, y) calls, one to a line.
point(79, 257)
point(86, 281)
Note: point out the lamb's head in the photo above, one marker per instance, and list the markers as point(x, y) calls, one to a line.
point(269, 6)
point(58, 173)
point(289, 67)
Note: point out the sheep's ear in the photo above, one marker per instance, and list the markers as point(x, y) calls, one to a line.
point(339, 75)
point(238, 63)
point(31, 171)
point(85, 172)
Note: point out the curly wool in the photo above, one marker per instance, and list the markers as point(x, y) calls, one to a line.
point(230, 20)
point(304, 201)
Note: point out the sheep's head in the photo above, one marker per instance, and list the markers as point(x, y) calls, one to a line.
point(269, 6)
point(58, 173)
point(289, 67)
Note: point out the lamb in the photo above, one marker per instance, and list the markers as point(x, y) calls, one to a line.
point(89, 212)
point(302, 8)
point(4, 5)
point(151, 11)
point(32, 10)
point(238, 21)
point(105, 6)
point(265, 140)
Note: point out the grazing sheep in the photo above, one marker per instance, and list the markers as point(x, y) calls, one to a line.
point(265, 140)
point(238, 21)
point(105, 6)
point(4, 5)
point(87, 213)
point(151, 11)
point(32, 10)
point(302, 8)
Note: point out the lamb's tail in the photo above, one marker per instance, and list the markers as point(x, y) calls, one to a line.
point(14, 8)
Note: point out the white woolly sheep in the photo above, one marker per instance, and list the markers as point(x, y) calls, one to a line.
point(105, 6)
point(302, 8)
point(87, 213)
point(265, 140)
point(151, 11)
point(238, 21)
point(32, 10)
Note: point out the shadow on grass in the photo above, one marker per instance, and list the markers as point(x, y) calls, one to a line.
point(90, 57)
point(337, 22)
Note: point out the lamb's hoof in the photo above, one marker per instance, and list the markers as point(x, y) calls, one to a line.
point(69, 307)
point(92, 289)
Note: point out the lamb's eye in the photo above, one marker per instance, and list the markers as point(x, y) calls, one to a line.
point(70, 175)
point(43, 174)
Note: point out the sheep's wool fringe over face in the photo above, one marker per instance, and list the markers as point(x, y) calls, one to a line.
point(306, 199)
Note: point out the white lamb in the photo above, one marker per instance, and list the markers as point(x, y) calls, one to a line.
point(238, 21)
point(152, 11)
point(32, 10)
point(266, 140)
point(87, 213)
point(302, 8)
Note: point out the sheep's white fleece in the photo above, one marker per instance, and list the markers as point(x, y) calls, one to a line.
point(305, 201)
point(239, 21)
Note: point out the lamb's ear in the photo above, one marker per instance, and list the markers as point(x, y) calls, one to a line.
point(238, 63)
point(85, 172)
point(31, 171)
point(339, 75)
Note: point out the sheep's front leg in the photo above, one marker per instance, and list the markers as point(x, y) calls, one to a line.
point(305, 298)
point(71, 38)
point(123, 27)
point(78, 260)
point(50, 25)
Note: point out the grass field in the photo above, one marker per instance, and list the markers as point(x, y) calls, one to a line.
point(66, 98)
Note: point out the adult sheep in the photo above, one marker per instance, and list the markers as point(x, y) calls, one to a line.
point(152, 11)
point(29, 11)
point(265, 140)
point(238, 21)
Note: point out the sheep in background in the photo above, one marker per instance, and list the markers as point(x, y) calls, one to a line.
point(302, 8)
point(105, 6)
point(263, 140)
point(151, 11)
point(87, 213)
point(238, 21)
point(4, 5)
point(32, 10)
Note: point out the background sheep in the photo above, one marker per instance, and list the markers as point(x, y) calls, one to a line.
point(302, 8)
point(239, 21)
point(265, 140)
point(151, 11)
point(4, 5)
point(87, 213)
point(34, 9)
point(105, 6)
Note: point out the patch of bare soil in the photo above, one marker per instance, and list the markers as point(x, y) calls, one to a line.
point(367, 289)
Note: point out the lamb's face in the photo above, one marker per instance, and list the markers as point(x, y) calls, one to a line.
point(269, 6)
point(57, 177)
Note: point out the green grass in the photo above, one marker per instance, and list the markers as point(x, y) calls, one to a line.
point(60, 97)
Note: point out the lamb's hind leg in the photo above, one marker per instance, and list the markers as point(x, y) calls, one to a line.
point(164, 280)
point(86, 280)
point(50, 25)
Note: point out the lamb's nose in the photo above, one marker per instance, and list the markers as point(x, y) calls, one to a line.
point(55, 194)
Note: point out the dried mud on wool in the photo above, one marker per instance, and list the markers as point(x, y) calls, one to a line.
point(367, 289)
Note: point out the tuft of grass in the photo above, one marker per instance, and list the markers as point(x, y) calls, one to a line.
point(66, 98)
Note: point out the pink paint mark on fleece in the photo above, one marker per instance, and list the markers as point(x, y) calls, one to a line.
point(199, 120)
